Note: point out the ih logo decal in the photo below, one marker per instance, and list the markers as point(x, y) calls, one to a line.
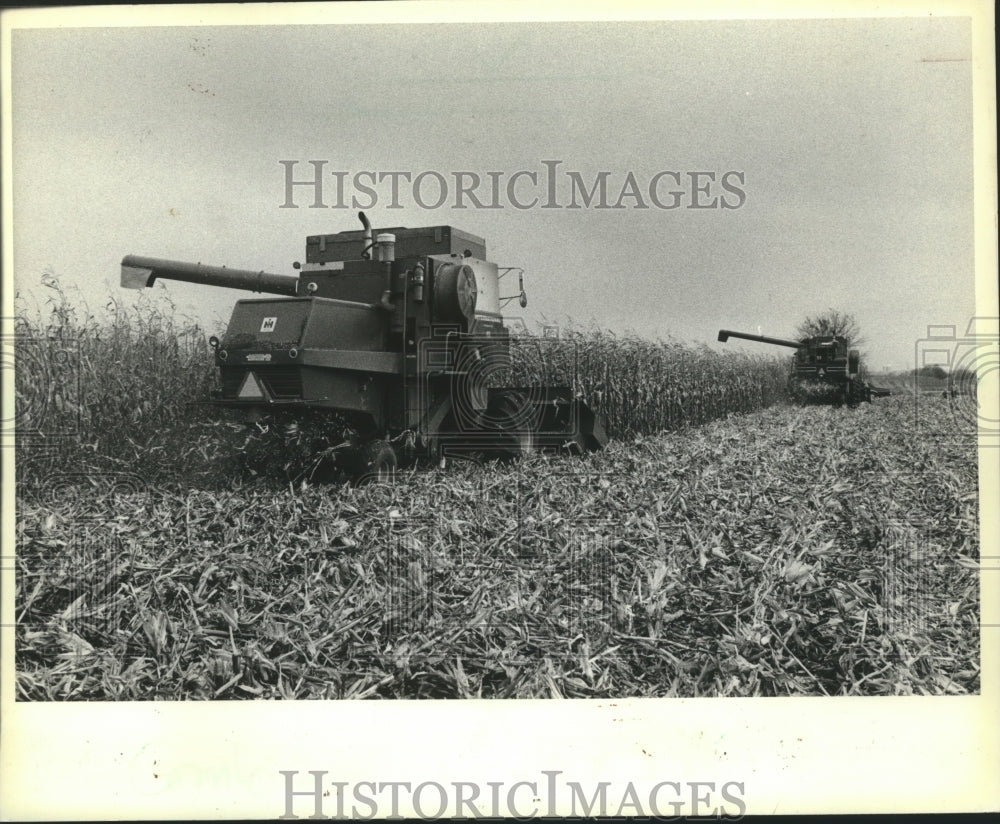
point(267, 325)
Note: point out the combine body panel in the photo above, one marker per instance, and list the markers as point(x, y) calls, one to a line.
point(823, 368)
point(395, 336)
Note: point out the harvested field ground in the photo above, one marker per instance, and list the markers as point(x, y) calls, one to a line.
point(790, 551)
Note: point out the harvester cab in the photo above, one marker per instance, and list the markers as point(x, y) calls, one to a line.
point(386, 338)
point(823, 368)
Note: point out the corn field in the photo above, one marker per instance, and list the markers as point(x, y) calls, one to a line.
point(783, 550)
point(125, 387)
point(98, 391)
point(642, 386)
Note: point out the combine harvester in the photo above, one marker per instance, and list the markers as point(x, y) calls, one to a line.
point(823, 369)
point(387, 341)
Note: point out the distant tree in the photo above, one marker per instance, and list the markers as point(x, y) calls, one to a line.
point(831, 322)
point(932, 371)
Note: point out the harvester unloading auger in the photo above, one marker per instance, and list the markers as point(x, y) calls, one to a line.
point(823, 368)
point(392, 341)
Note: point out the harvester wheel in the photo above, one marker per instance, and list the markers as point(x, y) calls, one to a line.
point(375, 461)
point(851, 394)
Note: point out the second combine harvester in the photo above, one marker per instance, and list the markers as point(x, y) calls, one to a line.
point(386, 341)
point(824, 369)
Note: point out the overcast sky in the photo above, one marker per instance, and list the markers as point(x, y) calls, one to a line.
point(852, 140)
